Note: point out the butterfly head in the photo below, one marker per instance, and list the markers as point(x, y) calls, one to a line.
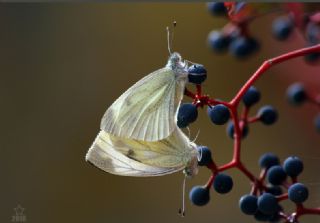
point(176, 63)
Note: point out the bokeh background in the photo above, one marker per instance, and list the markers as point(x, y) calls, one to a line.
point(62, 65)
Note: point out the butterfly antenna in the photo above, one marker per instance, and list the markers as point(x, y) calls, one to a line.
point(170, 36)
point(182, 210)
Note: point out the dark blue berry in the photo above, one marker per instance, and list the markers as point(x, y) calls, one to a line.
point(311, 58)
point(219, 114)
point(268, 115)
point(199, 195)
point(230, 130)
point(276, 217)
point(313, 33)
point(251, 97)
point(204, 156)
point(187, 114)
point(268, 160)
point(282, 28)
point(293, 166)
point(217, 8)
point(197, 74)
point(274, 190)
point(276, 175)
point(218, 41)
point(248, 204)
point(222, 183)
point(259, 216)
point(242, 47)
point(317, 122)
point(298, 193)
point(267, 204)
point(296, 94)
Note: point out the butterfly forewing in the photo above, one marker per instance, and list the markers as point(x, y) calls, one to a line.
point(147, 110)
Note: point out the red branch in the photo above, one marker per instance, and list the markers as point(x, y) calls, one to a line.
point(201, 100)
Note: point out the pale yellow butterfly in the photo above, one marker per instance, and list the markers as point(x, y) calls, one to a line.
point(139, 135)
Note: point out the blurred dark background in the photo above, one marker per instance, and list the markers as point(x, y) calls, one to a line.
point(62, 65)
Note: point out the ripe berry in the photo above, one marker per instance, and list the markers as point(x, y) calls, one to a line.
point(276, 175)
point(259, 216)
point(311, 58)
point(248, 204)
point(317, 122)
point(242, 47)
point(219, 114)
point(187, 114)
point(276, 217)
point(267, 204)
point(204, 156)
point(222, 183)
point(230, 130)
point(268, 160)
point(199, 195)
point(296, 94)
point(274, 190)
point(268, 115)
point(251, 97)
point(217, 8)
point(293, 166)
point(298, 193)
point(197, 74)
point(218, 41)
point(282, 28)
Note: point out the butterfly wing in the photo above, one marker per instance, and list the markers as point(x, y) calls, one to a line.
point(147, 110)
point(130, 157)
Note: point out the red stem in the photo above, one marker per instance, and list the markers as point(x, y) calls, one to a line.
point(269, 63)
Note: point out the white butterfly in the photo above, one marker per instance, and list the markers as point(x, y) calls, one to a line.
point(139, 135)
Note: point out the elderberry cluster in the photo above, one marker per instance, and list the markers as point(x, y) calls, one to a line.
point(264, 202)
point(236, 37)
point(297, 95)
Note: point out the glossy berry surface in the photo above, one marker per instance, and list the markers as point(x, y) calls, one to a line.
point(276, 175)
point(296, 94)
point(251, 97)
point(218, 41)
point(197, 74)
point(242, 47)
point(219, 114)
point(259, 216)
point(205, 157)
point(187, 114)
point(217, 8)
point(298, 193)
point(267, 204)
point(248, 204)
point(282, 28)
point(223, 183)
point(199, 195)
point(274, 190)
point(268, 115)
point(293, 166)
point(230, 130)
point(268, 160)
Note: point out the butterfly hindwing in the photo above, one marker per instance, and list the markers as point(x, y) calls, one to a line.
point(130, 157)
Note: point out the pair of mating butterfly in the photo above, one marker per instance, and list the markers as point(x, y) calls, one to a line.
point(139, 134)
